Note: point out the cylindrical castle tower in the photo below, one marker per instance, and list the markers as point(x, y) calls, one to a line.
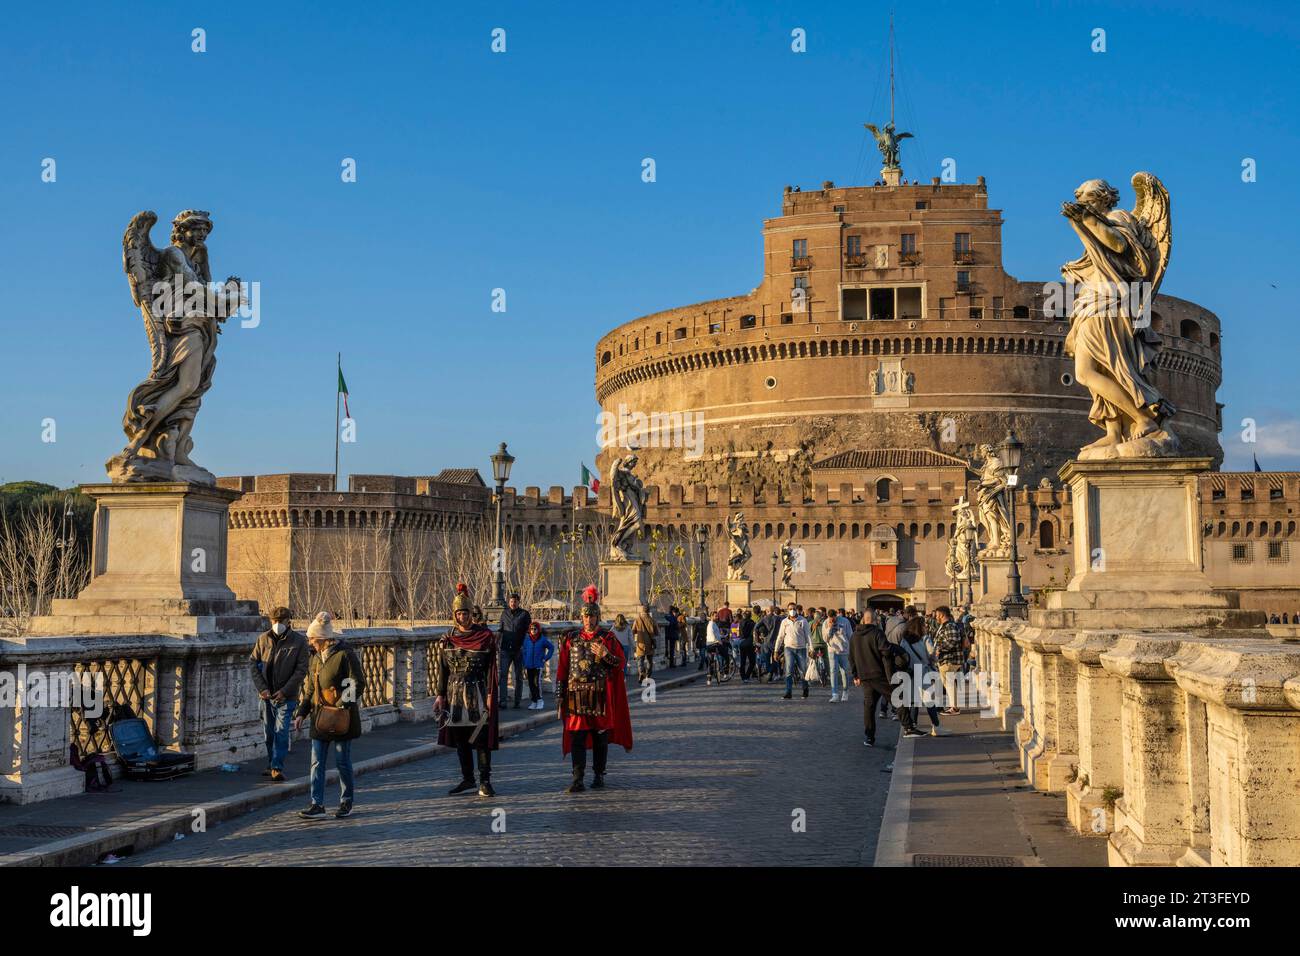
point(884, 320)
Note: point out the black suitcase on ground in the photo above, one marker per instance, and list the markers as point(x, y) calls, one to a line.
point(140, 756)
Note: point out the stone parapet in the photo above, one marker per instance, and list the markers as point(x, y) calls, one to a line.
point(195, 692)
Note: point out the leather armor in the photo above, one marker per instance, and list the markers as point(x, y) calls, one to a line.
point(463, 681)
point(585, 691)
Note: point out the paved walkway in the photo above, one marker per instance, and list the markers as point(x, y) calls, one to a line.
point(718, 776)
point(729, 776)
point(961, 800)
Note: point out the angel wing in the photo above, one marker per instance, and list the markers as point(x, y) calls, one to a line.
point(903, 136)
point(1152, 209)
point(140, 261)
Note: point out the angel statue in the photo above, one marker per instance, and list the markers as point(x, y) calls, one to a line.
point(738, 554)
point(991, 503)
point(628, 496)
point(962, 544)
point(1114, 284)
point(182, 312)
point(787, 563)
point(887, 142)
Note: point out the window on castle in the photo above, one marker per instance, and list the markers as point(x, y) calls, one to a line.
point(907, 243)
point(1277, 551)
point(800, 250)
point(748, 321)
point(679, 333)
point(976, 314)
point(1241, 553)
point(853, 245)
point(1020, 312)
point(882, 493)
point(1046, 535)
point(922, 204)
point(963, 281)
point(787, 318)
point(659, 338)
point(715, 327)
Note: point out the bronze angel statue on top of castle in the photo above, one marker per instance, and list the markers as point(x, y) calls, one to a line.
point(182, 313)
point(1114, 284)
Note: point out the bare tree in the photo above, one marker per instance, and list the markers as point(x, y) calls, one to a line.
point(40, 559)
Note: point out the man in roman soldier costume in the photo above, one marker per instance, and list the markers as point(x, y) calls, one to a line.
point(465, 678)
point(591, 694)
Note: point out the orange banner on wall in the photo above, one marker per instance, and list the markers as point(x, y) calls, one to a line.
point(884, 577)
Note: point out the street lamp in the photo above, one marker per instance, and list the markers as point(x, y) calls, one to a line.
point(701, 539)
point(775, 557)
point(1014, 604)
point(501, 463)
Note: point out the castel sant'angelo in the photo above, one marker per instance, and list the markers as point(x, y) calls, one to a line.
point(842, 406)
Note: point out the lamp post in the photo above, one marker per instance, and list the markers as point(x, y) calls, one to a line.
point(501, 463)
point(701, 539)
point(1014, 604)
point(775, 557)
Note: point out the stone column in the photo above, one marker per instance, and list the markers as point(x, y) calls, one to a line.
point(737, 593)
point(624, 587)
point(1049, 745)
point(1099, 701)
point(1251, 693)
point(1163, 812)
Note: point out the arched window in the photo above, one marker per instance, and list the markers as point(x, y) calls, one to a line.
point(1189, 330)
point(1046, 536)
point(604, 358)
point(882, 489)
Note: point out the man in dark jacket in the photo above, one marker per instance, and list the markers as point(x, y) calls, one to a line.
point(871, 656)
point(279, 662)
point(671, 636)
point(514, 628)
point(748, 662)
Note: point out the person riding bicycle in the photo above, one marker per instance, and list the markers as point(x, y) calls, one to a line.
point(716, 642)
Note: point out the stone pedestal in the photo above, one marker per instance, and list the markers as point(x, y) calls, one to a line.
point(785, 596)
point(993, 585)
point(737, 593)
point(1049, 738)
point(158, 565)
point(1137, 551)
point(624, 587)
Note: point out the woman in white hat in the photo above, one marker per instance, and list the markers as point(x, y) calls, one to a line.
point(331, 697)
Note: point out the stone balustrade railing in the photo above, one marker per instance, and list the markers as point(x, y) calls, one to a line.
point(1177, 747)
point(196, 692)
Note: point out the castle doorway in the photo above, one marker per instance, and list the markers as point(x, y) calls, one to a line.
point(885, 602)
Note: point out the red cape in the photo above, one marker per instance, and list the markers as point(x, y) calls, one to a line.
point(617, 719)
point(479, 638)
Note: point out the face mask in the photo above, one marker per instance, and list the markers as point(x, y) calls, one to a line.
point(791, 613)
point(279, 627)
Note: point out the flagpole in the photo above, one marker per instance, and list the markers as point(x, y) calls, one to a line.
point(338, 373)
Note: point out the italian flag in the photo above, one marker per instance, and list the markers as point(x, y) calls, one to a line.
point(343, 390)
point(591, 480)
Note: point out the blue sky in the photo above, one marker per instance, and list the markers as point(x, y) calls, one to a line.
point(522, 171)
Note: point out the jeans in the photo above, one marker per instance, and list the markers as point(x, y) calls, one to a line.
point(517, 662)
point(342, 759)
point(839, 664)
point(796, 662)
point(277, 719)
point(534, 683)
point(874, 690)
point(748, 662)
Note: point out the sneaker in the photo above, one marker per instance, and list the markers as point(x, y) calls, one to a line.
point(785, 697)
point(913, 732)
point(277, 776)
point(835, 698)
point(345, 809)
point(575, 787)
point(315, 810)
point(868, 742)
point(485, 790)
point(938, 731)
point(267, 772)
point(894, 715)
point(466, 784)
point(951, 712)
